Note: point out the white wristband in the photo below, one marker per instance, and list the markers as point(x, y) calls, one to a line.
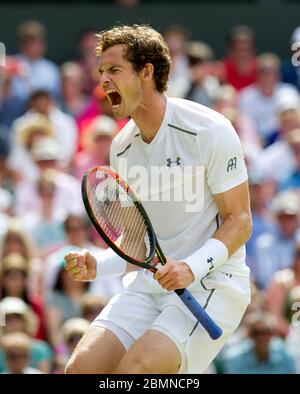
point(206, 259)
point(109, 264)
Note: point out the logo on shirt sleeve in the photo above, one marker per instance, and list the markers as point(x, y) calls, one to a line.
point(231, 165)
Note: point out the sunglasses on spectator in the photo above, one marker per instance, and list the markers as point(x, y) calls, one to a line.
point(14, 356)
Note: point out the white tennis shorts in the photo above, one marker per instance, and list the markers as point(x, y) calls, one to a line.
point(225, 297)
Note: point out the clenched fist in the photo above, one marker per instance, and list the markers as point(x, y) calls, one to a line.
point(81, 265)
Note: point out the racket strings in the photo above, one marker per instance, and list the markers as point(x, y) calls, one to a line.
point(119, 217)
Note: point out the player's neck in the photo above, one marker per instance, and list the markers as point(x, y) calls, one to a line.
point(150, 114)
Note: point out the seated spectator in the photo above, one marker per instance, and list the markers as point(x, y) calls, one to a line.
point(74, 100)
point(179, 79)
point(239, 67)
point(72, 331)
point(204, 86)
point(46, 223)
point(293, 179)
point(277, 294)
point(96, 140)
point(259, 100)
point(17, 347)
point(67, 198)
point(14, 269)
point(275, 250)
point(262, 353)
point(19, 317)
point(91, 305)
point(62, 304)
point(17, 240)
point(28, 130)
point(262, 220)
point(87, 61)
point(64, 126)
point(280, 154)
point(40, 72)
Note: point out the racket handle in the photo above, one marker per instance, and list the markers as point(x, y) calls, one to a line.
point(213, 330)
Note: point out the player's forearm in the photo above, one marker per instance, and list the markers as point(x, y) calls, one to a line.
point(234, 231)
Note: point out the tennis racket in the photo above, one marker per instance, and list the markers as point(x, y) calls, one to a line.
point(123, 223)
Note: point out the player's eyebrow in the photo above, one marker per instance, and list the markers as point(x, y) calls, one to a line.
point(109, 67)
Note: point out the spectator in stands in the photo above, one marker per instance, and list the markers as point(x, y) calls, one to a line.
point(204, 86)
point(275, 250)
point(65, 128)
point(62, 303)
point(72, 331)
point(260, 99)
point(96, 139)
point(87, 61)
point(17, 348)
point(292, 181)
point(280, 154)
point(239, 67)
point(262, 221)
point(277, 294)
point(14, 269)
point(45, 223)
point(67, 199)
point(17, 240)
point(74, 100)
point(28, 130)
point(40, 72)
point(19, 317)
point(263, 353)
point(179, 79)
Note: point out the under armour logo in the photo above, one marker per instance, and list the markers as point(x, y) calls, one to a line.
point(231, 164)
point(211, 262)
point(170, 162)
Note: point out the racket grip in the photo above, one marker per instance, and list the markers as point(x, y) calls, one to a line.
point(213, 330)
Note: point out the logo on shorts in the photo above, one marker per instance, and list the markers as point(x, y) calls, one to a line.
point(231, 165)
point(171, 162)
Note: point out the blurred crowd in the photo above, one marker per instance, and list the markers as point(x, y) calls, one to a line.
point(55, 123)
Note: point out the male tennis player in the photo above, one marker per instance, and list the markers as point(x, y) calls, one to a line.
point(146, 328)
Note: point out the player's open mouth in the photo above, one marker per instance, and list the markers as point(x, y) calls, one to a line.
point(114, 98)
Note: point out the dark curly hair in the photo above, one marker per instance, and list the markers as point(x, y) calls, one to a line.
point(144, 45)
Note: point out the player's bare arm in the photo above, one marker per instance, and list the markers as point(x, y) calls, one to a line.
point(234, 208)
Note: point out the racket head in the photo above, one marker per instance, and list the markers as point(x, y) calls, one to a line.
point(109, 201)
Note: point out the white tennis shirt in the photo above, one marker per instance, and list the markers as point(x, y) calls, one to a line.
point(200, 155)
